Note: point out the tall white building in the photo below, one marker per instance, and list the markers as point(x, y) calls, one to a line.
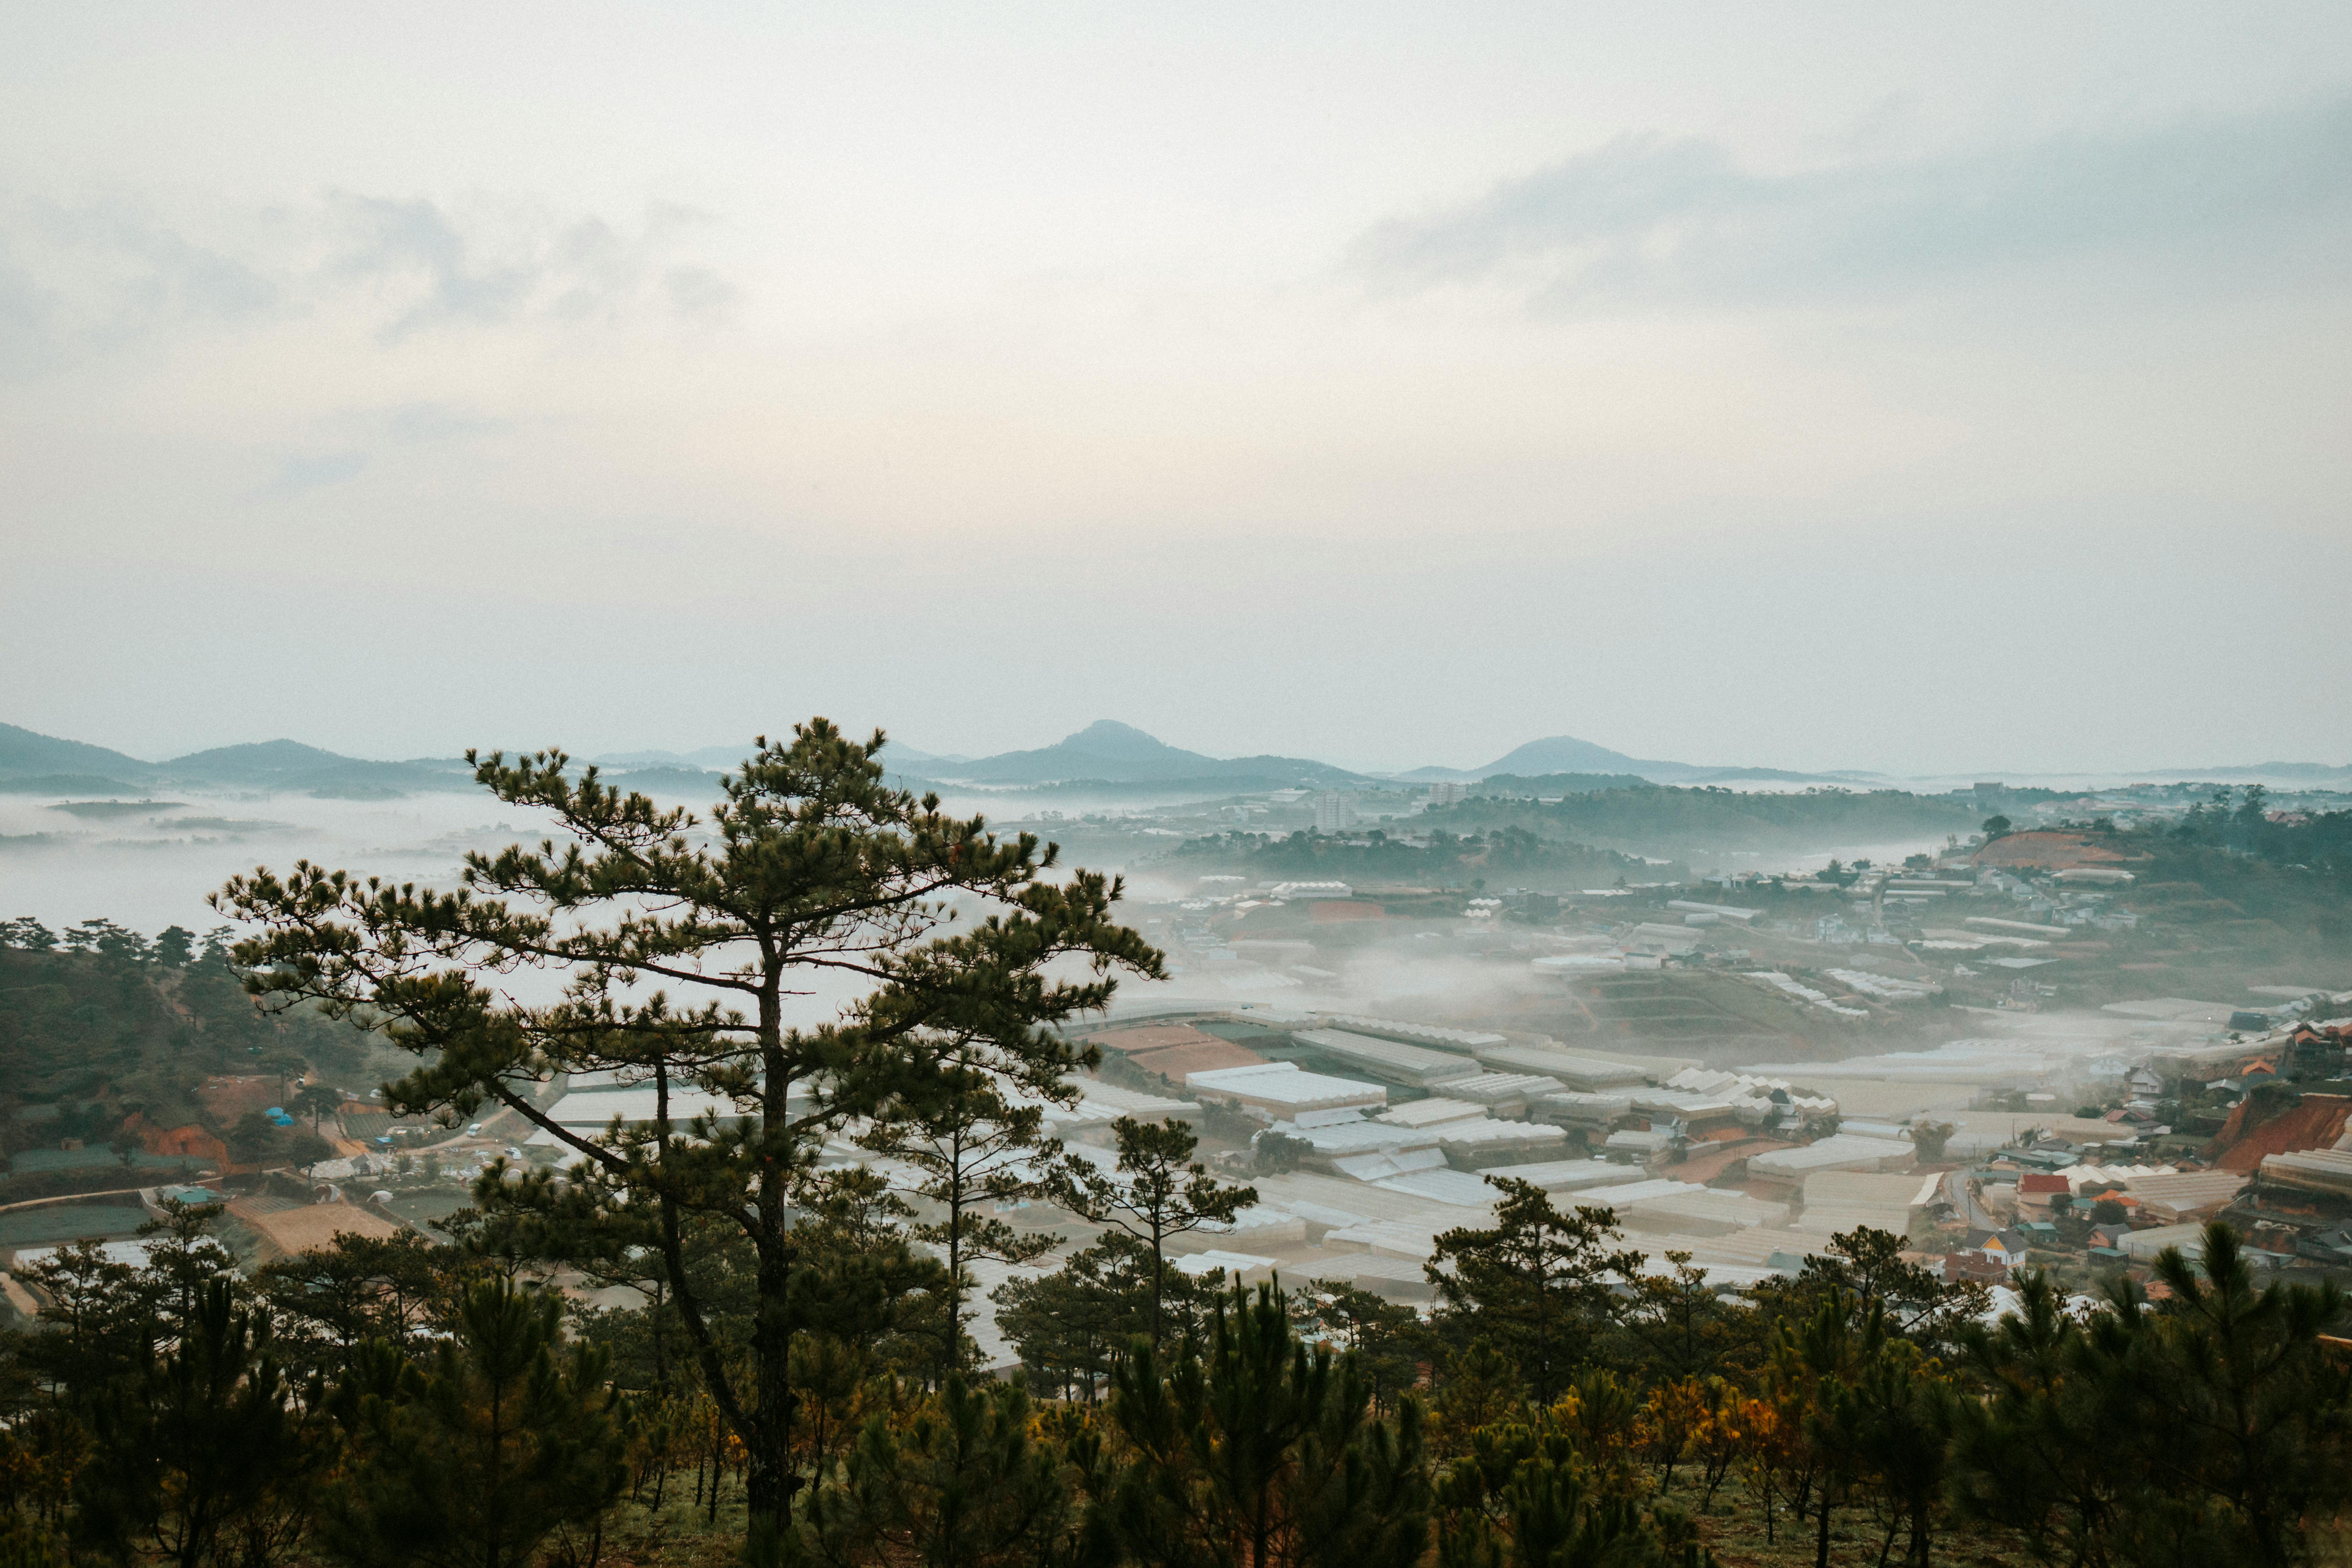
point(1335, 811)
point(1448, 793)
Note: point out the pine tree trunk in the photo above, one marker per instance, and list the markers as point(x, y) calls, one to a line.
point(1159, 1284)
point(769, 1442)
point(497, 1491)
point(661, 1356)
point(955, 1265)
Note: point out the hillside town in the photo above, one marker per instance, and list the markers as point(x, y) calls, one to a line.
point(1759, 1177)
point(1718, 1097)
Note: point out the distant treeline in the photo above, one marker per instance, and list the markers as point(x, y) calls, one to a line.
point(1663, 818)
point(1506, 854)
point(2227, 880)
point(2242, 822)
point(1532, 785)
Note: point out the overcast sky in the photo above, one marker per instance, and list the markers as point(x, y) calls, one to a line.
point(1900, 387)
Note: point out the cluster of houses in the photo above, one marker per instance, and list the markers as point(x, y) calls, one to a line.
point(1368, 1138)
point(2278, 1170)
point(1392, 1130)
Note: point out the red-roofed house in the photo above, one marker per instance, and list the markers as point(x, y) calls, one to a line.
point(2038, 1189)
point(1960, 1266)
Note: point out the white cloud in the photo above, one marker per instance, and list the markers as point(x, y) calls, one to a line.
point(1646, 219)
point(81, 282)
point(1878, 386)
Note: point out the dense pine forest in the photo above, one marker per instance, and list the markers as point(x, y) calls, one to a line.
point(402, 1401)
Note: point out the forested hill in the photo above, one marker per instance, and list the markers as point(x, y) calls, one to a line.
point(1660, 819)
point(2242, 823)
point(2233, 883)
point(98, 1023)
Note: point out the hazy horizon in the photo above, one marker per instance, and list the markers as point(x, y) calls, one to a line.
point(1915, 393)
point(899, 746)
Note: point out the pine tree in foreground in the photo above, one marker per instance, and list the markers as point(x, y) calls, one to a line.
point(474, 1457)
point(1263, 1450)
point(1156, 1193)
point(678, 950)
point(198, 1447)
point(967, 1482)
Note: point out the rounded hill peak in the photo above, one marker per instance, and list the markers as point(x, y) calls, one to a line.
point(1110, 738)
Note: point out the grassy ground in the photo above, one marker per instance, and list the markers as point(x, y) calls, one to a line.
point(420, 1206)
point(144, 1167)
point(2331, 1543)
point(1734, 1531)
point(685, 1534)
point(679, 1534)
point(682, 1535)
point(52, 1224)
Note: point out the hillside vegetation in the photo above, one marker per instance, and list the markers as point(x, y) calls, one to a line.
point(100, 1024)
point(1506, 856)
point(1532, 785)
point(1663, 819)
point(381, 1401)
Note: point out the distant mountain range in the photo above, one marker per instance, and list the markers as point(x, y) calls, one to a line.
point(1105, 752)
point(32, 763)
